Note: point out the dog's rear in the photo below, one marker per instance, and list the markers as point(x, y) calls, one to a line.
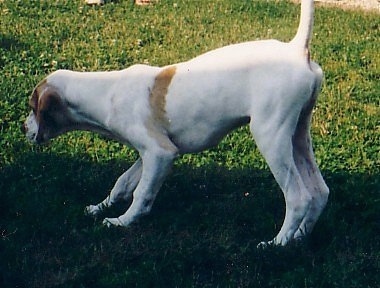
point(297, 173)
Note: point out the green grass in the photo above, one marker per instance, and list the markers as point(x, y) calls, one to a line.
point(215, 206)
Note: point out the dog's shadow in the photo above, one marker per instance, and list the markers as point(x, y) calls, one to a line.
point(46, 190)
point(208, 219)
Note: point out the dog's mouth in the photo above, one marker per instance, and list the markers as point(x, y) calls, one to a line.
point(40, 139)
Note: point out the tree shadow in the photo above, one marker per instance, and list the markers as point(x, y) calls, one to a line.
point(11, 43)
point(8, 43)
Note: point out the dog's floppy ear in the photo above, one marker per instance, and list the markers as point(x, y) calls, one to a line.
point(46, 105)
point(44, 99)
point(33, 101)
point(49, 101)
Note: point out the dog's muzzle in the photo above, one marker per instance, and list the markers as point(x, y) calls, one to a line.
point(30, 129)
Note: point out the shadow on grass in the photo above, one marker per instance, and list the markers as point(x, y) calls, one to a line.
point(202, 232)
point(11, 43)
point(8, 43)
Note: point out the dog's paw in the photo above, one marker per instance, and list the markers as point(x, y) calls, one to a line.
point(265, 244)
point(92, 210)
point(110, 222)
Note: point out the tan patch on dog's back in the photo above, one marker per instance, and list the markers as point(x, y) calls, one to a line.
point(158, 123)
point(158, 94)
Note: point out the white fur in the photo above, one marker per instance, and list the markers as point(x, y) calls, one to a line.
point(269, 84)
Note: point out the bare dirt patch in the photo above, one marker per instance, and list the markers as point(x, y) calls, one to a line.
point(372, 5)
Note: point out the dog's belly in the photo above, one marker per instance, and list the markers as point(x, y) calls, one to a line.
point(201, 115)
point(205, 102)
point(203, 135)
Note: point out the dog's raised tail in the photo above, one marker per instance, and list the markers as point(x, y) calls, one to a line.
point(305, 28)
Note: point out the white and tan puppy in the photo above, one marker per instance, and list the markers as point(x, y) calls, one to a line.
point(188, 107)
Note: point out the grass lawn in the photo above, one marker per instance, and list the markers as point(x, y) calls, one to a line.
point(215, 206)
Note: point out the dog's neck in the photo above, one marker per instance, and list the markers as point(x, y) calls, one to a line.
point(85, 96)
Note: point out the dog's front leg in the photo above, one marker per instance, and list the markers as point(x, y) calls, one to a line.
point(156, 165)
point(122, 190)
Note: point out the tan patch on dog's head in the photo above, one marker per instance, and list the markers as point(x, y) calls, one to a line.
point(158, 94)
point(43, 99)
point(34, 99)
point(47, 107)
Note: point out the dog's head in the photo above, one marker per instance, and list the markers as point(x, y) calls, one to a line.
point(49, 115)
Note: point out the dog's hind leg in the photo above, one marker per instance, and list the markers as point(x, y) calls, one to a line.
point(312, 178)
point(284, 140)
point(308, 169)
point(273, 129)
point(276, 147)
point(122, 189)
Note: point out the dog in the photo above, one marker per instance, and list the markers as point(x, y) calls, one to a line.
point(188, 107)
